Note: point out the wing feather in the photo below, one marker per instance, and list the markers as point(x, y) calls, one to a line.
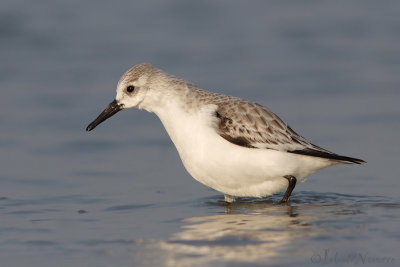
point(255, 126)
point(251, 125)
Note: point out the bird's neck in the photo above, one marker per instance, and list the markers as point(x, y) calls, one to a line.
point(182, 122)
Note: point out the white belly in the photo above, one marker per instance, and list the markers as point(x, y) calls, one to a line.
point(233, 169)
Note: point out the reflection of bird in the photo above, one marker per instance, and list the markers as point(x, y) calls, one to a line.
point(259, 236)
point(235, 146)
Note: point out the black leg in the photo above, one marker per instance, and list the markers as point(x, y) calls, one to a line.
point(292, 183)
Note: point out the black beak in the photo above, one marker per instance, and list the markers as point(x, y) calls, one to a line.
point(110, 110)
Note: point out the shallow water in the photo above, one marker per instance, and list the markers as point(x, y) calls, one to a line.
point(119, 195)
point(314, 229)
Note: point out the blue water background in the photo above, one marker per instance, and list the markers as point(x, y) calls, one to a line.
point(119, 196)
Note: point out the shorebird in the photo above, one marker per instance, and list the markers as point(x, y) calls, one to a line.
point(232, 145)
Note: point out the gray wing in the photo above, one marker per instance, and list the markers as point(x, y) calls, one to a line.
point(248, 124)
point(252, 125)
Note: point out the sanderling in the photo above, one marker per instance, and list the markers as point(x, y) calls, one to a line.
point(235, 146)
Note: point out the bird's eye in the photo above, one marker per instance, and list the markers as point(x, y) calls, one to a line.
point(130, 88)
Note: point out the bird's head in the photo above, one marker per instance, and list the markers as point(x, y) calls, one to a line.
point(132, 90)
